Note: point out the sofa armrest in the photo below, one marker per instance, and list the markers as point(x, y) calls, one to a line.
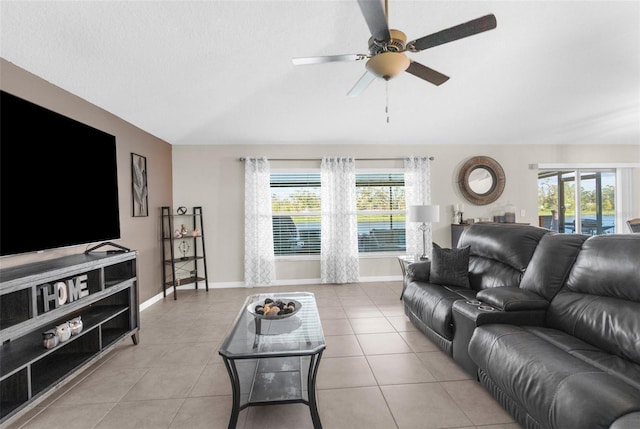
point(469, 314)
point(481, 313)
point(418, 271)
point(512, 299)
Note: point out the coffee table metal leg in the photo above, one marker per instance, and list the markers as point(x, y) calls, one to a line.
point(258, 323)
point(235, 387)
point(311, 383)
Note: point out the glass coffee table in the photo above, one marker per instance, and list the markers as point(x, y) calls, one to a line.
point(274, 361)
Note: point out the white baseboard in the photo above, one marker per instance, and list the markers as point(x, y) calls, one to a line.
point(224, 285)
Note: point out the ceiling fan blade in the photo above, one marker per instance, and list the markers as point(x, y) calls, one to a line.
point(362, 84)
point(328, 59)
point(376, 18)
point(426, 73)
point(478, 25)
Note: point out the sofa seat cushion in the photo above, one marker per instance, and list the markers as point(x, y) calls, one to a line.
point(560, 380)
point(433, 304)
point(626, 370)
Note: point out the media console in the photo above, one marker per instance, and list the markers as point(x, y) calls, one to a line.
point(99, 287)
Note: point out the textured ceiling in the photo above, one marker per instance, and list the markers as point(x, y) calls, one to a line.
point(220, 72)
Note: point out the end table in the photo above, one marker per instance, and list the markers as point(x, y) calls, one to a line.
point(404, 261)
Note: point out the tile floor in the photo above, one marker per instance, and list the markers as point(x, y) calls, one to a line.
point(377, 372)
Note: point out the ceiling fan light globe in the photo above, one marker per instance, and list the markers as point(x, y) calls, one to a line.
point(388, 64)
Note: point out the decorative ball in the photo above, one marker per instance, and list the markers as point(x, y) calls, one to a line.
point(182, 210)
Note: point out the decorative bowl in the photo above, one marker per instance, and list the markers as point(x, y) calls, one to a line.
point(251, 308)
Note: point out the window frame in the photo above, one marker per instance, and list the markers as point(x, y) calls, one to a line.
point(580, 173)
point(390, 170)
point(295, 256)
point(363, 255)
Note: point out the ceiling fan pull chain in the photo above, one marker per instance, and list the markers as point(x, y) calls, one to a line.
point(386, 109)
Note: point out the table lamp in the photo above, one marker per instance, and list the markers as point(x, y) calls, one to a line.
point(424, 214)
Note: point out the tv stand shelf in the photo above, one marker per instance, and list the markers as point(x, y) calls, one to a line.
point(108, 307)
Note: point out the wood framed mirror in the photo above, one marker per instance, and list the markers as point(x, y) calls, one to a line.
point(481, 180)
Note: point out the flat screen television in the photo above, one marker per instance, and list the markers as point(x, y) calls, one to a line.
point(58, 180)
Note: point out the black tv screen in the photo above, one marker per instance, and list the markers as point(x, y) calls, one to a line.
point(58, 180)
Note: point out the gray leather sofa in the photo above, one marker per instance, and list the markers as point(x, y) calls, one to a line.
point(579, 367)
point(498, 257)
point(550, 325)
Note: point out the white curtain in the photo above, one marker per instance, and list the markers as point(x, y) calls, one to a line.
point(417, 189)
point(259, 260)
point(624, 198)
point(339, 241)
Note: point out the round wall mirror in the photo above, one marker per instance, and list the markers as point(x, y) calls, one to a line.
point(481, 180)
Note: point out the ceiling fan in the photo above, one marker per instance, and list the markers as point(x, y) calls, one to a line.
point(386, 58)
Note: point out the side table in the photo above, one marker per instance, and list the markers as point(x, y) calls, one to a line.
point(404, 261)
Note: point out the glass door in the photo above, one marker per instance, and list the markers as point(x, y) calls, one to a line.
point(578, 201)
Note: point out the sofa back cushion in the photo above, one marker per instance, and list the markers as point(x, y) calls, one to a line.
point(600, 301)
point(499, 253)
point(551, 263)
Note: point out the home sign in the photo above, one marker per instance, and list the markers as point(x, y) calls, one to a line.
point(63, 292)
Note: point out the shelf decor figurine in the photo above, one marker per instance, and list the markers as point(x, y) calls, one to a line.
point(64, 331)
point(76, 325)
point(50, 339)
point(458, 214)
point(184, 248)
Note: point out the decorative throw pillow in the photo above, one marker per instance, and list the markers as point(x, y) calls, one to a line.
point(450, 267)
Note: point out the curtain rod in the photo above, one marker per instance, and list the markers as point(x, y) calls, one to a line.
point(431, 158)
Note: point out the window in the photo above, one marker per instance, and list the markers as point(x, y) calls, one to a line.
point(577, 201)
point(381, 212)
point(295, 201)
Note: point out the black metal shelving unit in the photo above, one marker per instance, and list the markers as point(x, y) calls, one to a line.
point(193, 261)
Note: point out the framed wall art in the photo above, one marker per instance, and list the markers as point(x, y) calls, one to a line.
point(140, 191)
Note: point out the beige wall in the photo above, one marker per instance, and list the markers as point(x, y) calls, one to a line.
point(139, 233)
point(212, 177)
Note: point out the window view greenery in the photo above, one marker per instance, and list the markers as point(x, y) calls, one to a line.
point(381, 212)
point(295, 205)
point(295, 199)
point(577, 201)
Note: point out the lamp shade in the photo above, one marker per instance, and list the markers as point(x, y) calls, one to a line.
point(424, 213)
point(388, 64)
